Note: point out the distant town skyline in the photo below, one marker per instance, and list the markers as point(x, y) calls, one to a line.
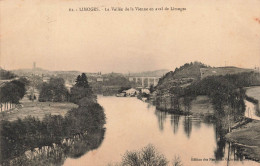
point(35, 66)
point(56, 39)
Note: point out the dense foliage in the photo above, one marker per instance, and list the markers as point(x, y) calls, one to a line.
point(6, 75)
point(30, 133)
point(147, 156)
point(226, 94)
point(188, 70)
point(81, 90)
point(114, 79)
point(111, 84)
point(12, 91)
point(54, 91)
point(223, 90)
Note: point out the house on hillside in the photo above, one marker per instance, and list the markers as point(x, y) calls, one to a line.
point(100, 79)
point(46, 79)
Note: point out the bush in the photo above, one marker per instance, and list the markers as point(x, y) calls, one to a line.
point(147, 156)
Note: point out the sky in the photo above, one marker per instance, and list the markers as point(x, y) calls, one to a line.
point(215, 32)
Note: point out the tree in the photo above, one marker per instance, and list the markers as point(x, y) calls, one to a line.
point(82, 81)
point(147, 156)
point(24, 80)
point(55, 91)
point(46, 93)
point(12, 92)
point(6, 75)
point(20, 87)
point(152, 89)
point(81, 90)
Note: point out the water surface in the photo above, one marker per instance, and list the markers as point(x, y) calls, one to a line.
point(133, 124)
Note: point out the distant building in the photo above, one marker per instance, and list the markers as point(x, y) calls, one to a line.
point(45, 79)
point(147, 91)
point(131, 78)
point(68, 85)
point(131, 92)
point(100, 79)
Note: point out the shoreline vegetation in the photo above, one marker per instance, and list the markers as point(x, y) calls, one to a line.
point(31, 141)
point(247, 136)
point(147, 156)
point(180, 92)
point(66, 133)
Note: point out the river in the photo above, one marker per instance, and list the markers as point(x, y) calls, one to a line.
point(133, 124)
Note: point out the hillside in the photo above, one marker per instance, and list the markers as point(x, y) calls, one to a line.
point(223, 85)
point(28, 72)
point(193, 71)
point(182, 76)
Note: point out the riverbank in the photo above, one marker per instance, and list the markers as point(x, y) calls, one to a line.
point(31, 141)
point(248, 138)
point(248, 135)
point(200, 106)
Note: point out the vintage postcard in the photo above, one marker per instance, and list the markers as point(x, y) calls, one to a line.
point(129, 83)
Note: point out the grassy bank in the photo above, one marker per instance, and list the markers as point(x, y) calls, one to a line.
point(254, 92)
point(248, 137)
point(200, 106)
point(37, 109)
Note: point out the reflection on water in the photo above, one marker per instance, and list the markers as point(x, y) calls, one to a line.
point(220, 150)
point(57, 153)
point(133, 124)
point(175, 122)
point(187, 125)
point(161, 116)
point(187, 122)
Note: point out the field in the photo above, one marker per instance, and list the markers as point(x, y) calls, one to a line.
point(254, 92)
point(205, 72)
point(37, 109)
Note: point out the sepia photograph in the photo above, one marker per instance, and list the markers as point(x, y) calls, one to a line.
point(129, 83)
